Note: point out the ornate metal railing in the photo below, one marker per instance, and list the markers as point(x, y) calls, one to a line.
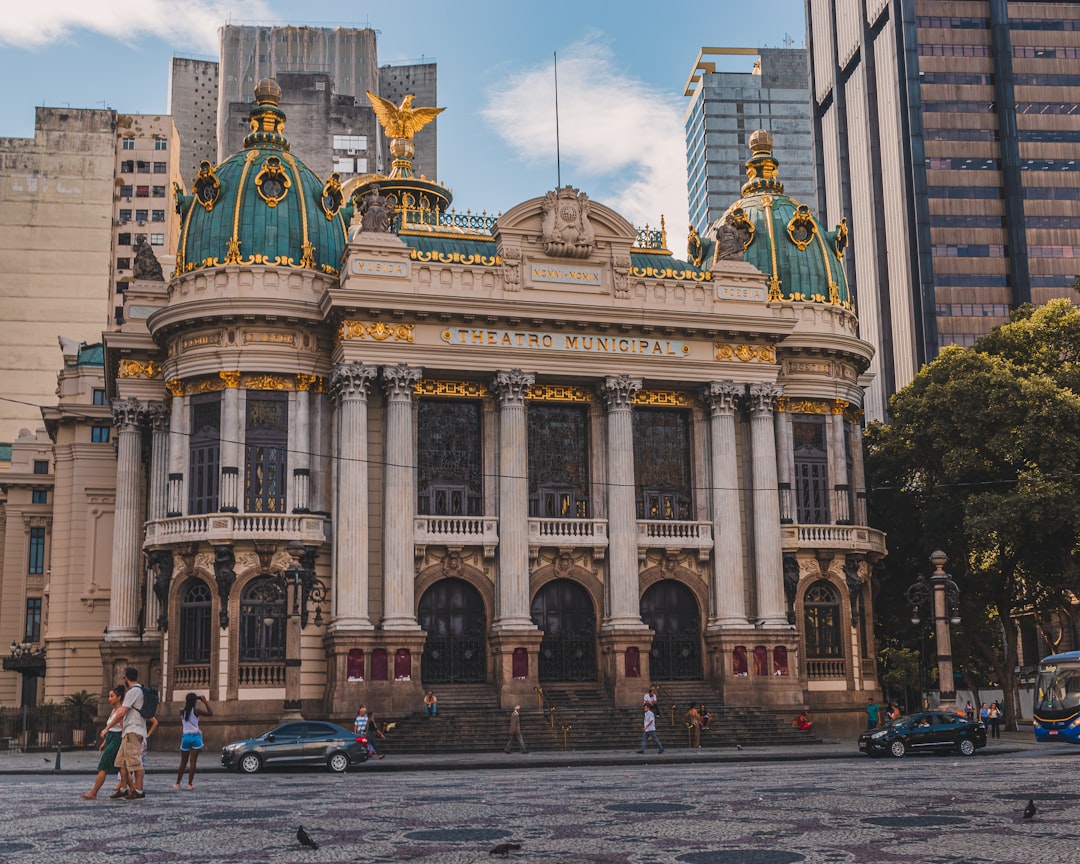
point(262, 675)
point(191, 676)
point(819, 669)
point(456, 530)
point(674, 534)
point(648, 238)
point(309, 529)
point(461, 223)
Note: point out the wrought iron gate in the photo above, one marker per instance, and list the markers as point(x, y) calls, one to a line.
point(452, 614)
point(669, 608)
point(453, 659)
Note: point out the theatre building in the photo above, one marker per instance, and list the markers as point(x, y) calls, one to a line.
point(366, 447)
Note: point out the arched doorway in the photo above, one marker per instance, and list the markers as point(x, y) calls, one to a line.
point(564, 611)
point(670, 610)
point(452, 614)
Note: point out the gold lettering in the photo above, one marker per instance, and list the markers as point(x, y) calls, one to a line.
point(572, 343)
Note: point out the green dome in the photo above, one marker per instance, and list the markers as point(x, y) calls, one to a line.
point(261, 205)
point(782, 238)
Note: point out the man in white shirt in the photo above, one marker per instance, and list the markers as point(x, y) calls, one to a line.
point(129, 757)
point(649, 730)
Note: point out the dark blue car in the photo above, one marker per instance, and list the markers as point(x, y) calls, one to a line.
point(927, 731)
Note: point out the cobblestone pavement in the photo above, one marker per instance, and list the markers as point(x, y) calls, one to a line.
point(919, 809)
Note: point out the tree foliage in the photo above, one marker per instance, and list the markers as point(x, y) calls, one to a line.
point(982, 460)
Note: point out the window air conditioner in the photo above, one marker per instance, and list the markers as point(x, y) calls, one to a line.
point(142, 221)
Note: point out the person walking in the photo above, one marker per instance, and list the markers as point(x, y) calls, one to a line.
point(129, 756)
point(873, 711)
point(693, 723)
point(515, 731)
point(362, 725)
point(431, 705)
point(191, 738)
point(648, 730)
point(993, 714)
point(110, 741)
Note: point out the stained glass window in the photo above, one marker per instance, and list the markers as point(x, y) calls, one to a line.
point(450, 469)
point(821, 609)
point(195, 623)
point(662, 464)
point(265, 441)
point(558, 462)
point(811, 470)
point(204, 453)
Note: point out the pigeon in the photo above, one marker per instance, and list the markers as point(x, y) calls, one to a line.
point(304, 839)
point(505, 849)
point(738, 746)
point(1031, 809)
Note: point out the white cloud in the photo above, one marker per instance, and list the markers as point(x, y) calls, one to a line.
point(615, 132)
point(189, 24)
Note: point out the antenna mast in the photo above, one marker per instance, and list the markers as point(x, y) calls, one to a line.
point(558, 159)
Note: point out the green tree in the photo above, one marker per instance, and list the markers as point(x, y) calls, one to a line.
point(982, 459)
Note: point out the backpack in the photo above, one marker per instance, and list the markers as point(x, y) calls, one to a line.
point(150, 699)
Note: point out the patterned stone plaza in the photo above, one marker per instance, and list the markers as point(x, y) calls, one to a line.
point(928, 809)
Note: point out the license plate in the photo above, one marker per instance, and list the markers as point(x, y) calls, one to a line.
point(1053, 731)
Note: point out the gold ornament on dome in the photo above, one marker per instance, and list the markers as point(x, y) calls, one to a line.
point(332, 196)
point(801, 228)
point(271, 182)
point(138, 369)
point(207, 188)
point(841, 238)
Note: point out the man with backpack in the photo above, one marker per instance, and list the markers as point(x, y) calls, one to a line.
point(129, 757)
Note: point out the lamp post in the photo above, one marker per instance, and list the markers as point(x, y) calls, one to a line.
point(944, 598)
point(298, 579)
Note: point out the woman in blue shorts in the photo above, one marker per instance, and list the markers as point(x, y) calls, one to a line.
point(191, 741)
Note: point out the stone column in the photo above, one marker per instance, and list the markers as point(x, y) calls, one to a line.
point(350, 384)
point(126, 555)
point(399, 499)
point(232, 434)
point(785, 461)
point(158, 414)
point(728, 568)
point(178, 450)
point(858, 471)
point(512, 590)
point(622, 607)
point(768, 554)
point(300, 446)
point(840, 509)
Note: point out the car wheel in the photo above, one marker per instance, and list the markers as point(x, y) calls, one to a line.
point(250, 763)
point(898, 748)
point(337, 763)
point(966, 747)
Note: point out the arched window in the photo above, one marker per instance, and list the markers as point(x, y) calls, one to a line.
point(195, 630)
point(761, 660)
point(779, 660)
point(262, 622)
point(738, 662)
point(821, 613)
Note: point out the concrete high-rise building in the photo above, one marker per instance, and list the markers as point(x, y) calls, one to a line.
point(193, 101)
point(725, 108)
point(947, 136)
point(56, 231)
point(324, 74)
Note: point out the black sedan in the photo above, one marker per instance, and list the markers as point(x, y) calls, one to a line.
point(929, 731)
point(302, 742)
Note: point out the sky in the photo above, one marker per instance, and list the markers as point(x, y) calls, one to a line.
point(622, 70)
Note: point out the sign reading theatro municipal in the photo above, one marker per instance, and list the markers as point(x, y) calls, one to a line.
point(368, 447)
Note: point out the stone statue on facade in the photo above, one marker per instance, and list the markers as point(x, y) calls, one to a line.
point(374, 212)
point(566, 227)
point(146, 266)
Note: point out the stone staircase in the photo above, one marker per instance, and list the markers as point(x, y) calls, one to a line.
point(470, 721)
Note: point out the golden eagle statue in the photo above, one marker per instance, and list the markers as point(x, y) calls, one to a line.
point(402, 121)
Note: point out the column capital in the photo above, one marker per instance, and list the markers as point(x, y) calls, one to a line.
point(723, 396)
point(125, 414)
point(175, 387)
point(618, 391)
point(399, 381)
point(158, 414)
point(510, 386)
point(763, 397)
point(351, 380)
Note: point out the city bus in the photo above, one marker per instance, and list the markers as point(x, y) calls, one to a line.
point(1057, 698)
